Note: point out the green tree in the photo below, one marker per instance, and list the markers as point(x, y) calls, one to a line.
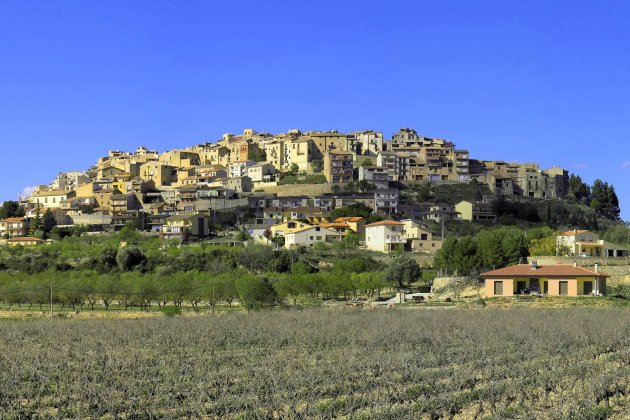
point(317, 165)
point(403, 271)
point(465, 257)
point(48, 222)
point(255, 258)
point(444, 257)
point(367, 162)
point(129, 231)
point(423, 192)
point(336, 189)
point(350, 187)
point(294, 170)
point(243, 235)
point(579, 190)
point(604, 200)
point(255, 292)
point(543, 246)
point(364, 186)
point(11, 209)
point(129, 259)
point(489, 249)
point(36, 226)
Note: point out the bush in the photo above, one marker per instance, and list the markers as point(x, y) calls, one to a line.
point(171, 310)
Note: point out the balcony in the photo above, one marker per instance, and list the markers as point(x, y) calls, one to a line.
point(395, 239)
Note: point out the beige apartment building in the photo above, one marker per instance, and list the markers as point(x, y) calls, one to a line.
point(411, 157)
point(180, 158)
point(161, 173)
point(49, 199)
point(338, 167)
point(419, 239)
point(475, 211)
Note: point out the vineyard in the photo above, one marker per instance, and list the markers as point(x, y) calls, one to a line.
point(562, 363)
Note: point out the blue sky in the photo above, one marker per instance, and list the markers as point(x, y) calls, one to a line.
point(543, 81)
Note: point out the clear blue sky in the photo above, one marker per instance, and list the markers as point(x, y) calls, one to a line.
point(543, 81)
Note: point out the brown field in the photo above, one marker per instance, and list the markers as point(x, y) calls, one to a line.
point(457, 363)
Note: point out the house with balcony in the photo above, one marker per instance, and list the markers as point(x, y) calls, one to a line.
point(386, 201)
point(14, 227)
point(418, 238)
point(261, 172)
point(239, 168)
point(385, 236)
point(438, 212)
point(345, 225)
point(552, 280)
point(290, 226)
point(586, 243)
point(186, 227)
point(475, 211)
point(379, 176)
point(309, 236)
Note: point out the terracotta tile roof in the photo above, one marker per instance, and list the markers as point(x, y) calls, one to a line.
point(559, 270)
point(573, 232)
point(25, 239)
point(348, 219)
point(386, 223)
point(334, 225)
point(14, 219)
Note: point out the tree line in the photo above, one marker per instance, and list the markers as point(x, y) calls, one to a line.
point(88, 270)
point(489, 249)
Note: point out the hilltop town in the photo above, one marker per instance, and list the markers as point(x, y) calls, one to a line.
point(285, 185)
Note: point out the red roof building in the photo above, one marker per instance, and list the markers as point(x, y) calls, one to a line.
point(552, 280)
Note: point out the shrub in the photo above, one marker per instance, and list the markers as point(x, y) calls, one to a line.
point(171, 310)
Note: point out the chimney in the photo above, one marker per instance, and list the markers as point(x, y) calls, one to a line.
point(534, 265)
point(597, 268)
point(574, 263)
point(575, 231)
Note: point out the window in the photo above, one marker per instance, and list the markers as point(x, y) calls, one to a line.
point(424, 236)
point(564, 288)
point(498, 288)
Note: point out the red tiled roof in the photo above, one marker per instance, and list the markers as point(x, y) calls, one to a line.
point(14, 219)
point(348, 219)
point(573, 232)
point(334, 224)
point(559, 270)
point(25, 239)
point(386, 223)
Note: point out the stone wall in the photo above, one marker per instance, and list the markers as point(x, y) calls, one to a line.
point(581, 261)
point(299, 189)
